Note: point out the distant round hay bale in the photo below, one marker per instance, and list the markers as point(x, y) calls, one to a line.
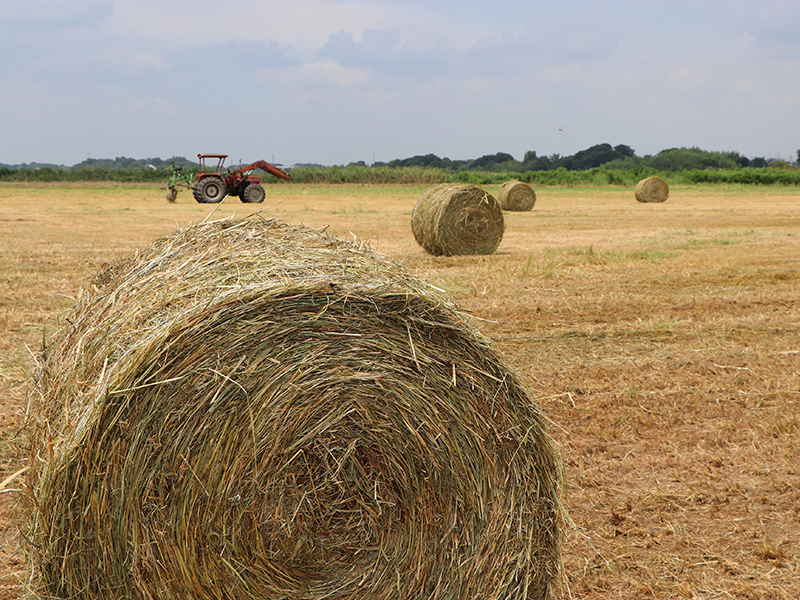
point(453, 219)
point(651, 189)
point(516, 196)
point(249, 410)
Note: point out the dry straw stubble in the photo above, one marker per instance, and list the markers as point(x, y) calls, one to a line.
point(455, 219)
point(245, 409)
point(516, 196)
point(651, 189)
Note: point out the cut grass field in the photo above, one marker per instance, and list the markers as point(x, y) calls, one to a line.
point(662, 340)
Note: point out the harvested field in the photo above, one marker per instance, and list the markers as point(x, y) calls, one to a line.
point(662, 340)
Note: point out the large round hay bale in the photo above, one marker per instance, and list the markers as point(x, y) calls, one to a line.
point(651, 189)
point(516, 196)
point(249, 410)
point(451, 219)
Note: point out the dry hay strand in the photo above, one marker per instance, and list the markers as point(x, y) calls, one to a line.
point(250, 410)
point(651, 189)
point(516, 196)
point(454, 219)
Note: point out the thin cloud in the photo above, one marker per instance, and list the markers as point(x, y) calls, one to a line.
point(315, 75)
point(240, 53)
point(392, 53)
point(108, 66)
point(49, 14)
point(688, 75)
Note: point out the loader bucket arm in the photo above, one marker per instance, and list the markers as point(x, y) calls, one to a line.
point(264, 166)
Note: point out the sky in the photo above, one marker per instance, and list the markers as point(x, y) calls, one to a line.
point(340, 81)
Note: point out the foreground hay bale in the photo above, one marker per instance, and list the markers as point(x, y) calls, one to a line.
point(453, 219)
point(249, 410)
point(516, 196)
point(652, 189)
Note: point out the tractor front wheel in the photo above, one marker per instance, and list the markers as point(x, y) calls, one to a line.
point(209, 190)
point(253, 193)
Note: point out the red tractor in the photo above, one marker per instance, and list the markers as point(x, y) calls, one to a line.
point(211, 186)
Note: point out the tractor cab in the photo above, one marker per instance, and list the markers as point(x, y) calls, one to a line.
point(204, 168)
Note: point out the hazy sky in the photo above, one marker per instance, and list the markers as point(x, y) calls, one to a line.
point(337, 81)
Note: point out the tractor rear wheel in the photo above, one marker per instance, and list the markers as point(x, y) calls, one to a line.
point(209, 190)
point(253, 193)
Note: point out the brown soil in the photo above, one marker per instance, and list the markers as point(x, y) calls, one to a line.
point(663, 340)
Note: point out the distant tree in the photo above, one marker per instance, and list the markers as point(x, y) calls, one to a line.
point(530, 156)
point(596, 156)
point(691, 158)
point(491, 162)
point(758, 163)
point(624, 151)
point(122, 162)
point(625, 164)
point(798, 157)
point(779, 164)
point(589, 158)
point(428, 160)
point(740, 160)
point(532, 162)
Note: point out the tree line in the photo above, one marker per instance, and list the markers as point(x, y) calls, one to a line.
point(619, 157)
point(600, 164)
